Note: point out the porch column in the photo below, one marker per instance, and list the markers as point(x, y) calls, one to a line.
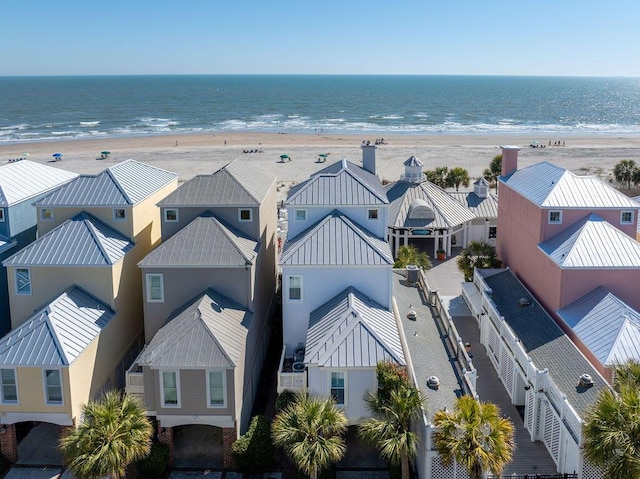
point(165, 436)
point(448, 241)
point(436, 239)
point(396, 243)
point(229, 436)
point(9, 442)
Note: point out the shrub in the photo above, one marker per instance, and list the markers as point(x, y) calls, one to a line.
point(254, 450)
point(285, 398)
point(154, 465)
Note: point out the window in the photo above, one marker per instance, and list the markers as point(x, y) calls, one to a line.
point(337, 387)
point(372, 214)
point(155, 288)
point(8, 386)
point(119, 214)
point(170, 389)
point(46, 214)
point(295, 288)
point(244, 214)
point(53, 386)
point(493, 231)
point(1, 215)
point(555, 217)
point(216, 388)
point(626, 217)
point(301, 215)
point(171, 215)
point(23, 281)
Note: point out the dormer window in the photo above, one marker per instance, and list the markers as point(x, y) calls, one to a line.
point(555, 217)
point(1, 215)
point(171, 215)
point(626, 217)
point(372, 214)
point(46, 214)
point(244, 214)
point(119, 214)
point(300, 215)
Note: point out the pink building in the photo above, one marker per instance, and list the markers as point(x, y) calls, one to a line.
point(566, 236)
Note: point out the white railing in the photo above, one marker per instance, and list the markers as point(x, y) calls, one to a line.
point(134, 384)
point(291, 381)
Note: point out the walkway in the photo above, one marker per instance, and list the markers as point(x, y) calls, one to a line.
point(529, 457)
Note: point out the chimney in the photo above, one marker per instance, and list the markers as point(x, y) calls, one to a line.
point(369, 157)
point(509, 159)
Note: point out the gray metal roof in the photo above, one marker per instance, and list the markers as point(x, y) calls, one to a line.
point(206, 241)
point(447, 212)
point(351, 330)
point(543, 340)
point(481, 207)
point(58, 333)
point(124, 184)
point(550, 186)
point(413, 161)
point(606, 325)
point(26, 179)
point(347, 185)
point(336, 240)
point(592, 243)
point(210, 331)
point(83, 240)
point(235, 184)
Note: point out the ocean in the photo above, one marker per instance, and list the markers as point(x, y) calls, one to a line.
point(83, 107)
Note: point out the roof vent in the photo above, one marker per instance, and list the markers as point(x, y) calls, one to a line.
point(524, 302)
point(586, 381)
point(433, 382)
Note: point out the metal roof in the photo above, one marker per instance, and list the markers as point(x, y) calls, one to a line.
point(26, 179)
point(592, 243)
point(481, 207)
point(447, 212)
point(210, 331)
point(347, 185)
point(543, 340)
point(336, 240)
point(83, 240)
point(351, 330)
point(206, 241)
point(124, 184)
point(550, 186)
point(413, 161)
point(606, 325)
point(58, 333)
point(235, 184)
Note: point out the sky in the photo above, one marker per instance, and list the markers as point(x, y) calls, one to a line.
point(427, 37)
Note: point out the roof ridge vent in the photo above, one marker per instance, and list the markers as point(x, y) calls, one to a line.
point(524, 302)
point(586, 381)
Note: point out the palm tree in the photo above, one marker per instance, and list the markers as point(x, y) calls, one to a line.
point(477, 254)
point(458, 176)
point(624, 172)
point(475, 436)
point(411, 255)
point(492, 173)
point(310, 431)
point(114, 432)
point(389, 428)
point(438, 176)
point(612, 426)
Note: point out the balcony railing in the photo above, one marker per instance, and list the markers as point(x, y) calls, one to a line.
point(134, 381)
point(288, 379)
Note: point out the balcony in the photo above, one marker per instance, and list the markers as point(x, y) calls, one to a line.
point(134, 381)
point(292, 375)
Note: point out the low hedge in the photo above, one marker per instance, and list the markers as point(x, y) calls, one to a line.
point(254, 450)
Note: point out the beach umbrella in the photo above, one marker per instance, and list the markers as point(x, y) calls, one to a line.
point(323, 155)
point(105, 152)
point(25, 154)
point(284, 157)
point(57, 155)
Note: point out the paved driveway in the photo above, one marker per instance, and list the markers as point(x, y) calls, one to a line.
point(33, 473)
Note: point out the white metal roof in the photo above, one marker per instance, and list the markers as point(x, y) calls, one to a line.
point(481, 207)
point(351, 330)
point(26, 179)
point(58, 333)
point(592, 243)
point(606, 325)
point(550, 186)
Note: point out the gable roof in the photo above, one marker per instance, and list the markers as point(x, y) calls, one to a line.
point(26, 179)
point(481, 207)
point(210, 331)
point(206, 241)
point(124, 184)
point(447, 212)
point(351, 330)
point(235, 184)
point(58, 333)
point(336, 240)
point(606, 325)
point(543, 340)
point(83, 240)
point(592, 243)
point(339, 184)
point(550, 186)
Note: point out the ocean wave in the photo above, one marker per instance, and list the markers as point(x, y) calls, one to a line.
point(89, 123)
point(21, 126)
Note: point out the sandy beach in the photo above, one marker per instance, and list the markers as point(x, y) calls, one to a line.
point(189, 155)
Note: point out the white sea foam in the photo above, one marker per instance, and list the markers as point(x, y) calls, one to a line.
point(89, 123)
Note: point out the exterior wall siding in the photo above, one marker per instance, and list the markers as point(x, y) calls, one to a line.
point(228, 214)
point(358, 214)
point(571, 216)
point(103, 213)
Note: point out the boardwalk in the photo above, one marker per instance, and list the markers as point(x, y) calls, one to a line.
point(530, 457)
